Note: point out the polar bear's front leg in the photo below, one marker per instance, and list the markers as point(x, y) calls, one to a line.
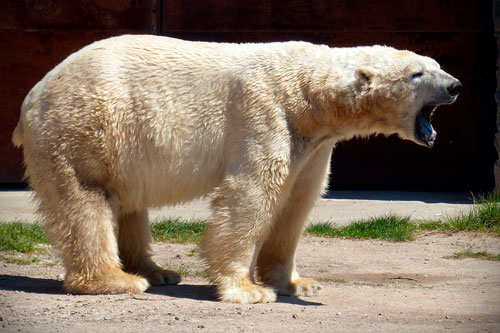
point(276, 260)
point(229, 245)
point(242, 213)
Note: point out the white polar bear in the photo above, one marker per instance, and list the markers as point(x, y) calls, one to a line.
point(133, 122)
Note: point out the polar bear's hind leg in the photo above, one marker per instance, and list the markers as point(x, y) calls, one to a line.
point(134, 242)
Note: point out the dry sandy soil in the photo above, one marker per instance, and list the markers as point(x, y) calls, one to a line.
point(374, 286)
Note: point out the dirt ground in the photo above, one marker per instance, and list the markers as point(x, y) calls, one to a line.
point(374, 286)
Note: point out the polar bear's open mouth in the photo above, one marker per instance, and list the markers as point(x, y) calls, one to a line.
point(423, 127)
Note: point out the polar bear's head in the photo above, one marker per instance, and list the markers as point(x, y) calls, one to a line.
point(401, 90)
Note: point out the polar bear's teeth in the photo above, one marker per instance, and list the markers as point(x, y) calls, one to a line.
point(432, 112)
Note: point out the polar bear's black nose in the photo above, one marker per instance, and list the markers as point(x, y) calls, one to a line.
point(454, 88)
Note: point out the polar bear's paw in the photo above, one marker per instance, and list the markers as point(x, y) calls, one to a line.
point(161, 276)
point(155, 274)
point(246, 293)
point(301, 287)
point(113, 281)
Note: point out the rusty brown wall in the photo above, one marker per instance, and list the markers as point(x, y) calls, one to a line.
point(35, 36)
point(458, 33)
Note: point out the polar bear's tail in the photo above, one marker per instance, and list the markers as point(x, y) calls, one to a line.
point(17, 136)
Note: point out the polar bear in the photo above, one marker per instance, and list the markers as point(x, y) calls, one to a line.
point(134, 122)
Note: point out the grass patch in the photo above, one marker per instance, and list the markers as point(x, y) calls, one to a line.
point(177, 231)
point(389, 227)
point(202, 273)
point(330, 279)
point(484, 216)
point(19, 261)
point(22, 237)
point(476, 255)
point(183, 270)
point(192, 252)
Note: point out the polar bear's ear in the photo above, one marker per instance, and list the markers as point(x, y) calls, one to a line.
point(364, 75)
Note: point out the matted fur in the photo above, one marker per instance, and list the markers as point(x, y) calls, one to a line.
point(134, 122)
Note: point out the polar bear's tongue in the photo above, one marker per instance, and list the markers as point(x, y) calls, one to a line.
point(425, 131)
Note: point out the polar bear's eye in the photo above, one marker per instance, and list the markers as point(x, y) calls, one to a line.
point(417, 75)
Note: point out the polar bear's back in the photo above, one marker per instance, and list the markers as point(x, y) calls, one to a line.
point(149, 116)
point(133, 113)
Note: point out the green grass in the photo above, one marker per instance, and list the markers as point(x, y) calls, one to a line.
point(19, 261)
point(389, 227)
point(484, 216)
point(192, 252)
point(476, 255)
point(177, 231)
point(330, 279)
point(21, 237)
point(181, 269)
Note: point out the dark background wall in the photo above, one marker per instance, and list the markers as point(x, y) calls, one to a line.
point(36, 35)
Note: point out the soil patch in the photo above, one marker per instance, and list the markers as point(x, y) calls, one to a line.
point(367, 285)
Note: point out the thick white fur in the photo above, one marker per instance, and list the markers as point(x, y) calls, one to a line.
point(134, 122)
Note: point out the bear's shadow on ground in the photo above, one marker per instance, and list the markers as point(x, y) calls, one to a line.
point(195, 292)
point(31, 285)
point(209, 293)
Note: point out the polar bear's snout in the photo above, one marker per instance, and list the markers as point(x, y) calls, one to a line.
point(454, 88)
point(446, 89)
point(446, 94)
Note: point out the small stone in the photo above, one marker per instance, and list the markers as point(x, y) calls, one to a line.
point(176, 318)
